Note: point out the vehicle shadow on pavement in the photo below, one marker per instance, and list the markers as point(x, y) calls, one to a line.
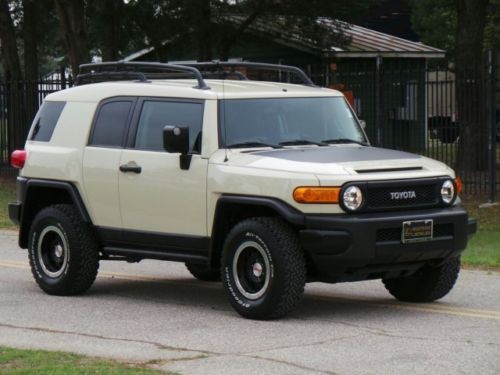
point(182, 291)
point(204, 295)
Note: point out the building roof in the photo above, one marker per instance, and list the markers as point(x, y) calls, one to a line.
point(363, 42)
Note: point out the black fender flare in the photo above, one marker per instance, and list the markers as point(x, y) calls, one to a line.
point(282, 209)
point(25, 185)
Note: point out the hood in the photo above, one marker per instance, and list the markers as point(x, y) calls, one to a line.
point(336, 160)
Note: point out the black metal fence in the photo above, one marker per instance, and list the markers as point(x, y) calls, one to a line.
point(19, 103)
point(411, 105)
point(406, 104)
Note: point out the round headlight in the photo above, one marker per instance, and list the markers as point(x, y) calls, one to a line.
point(448, 191)
point(352, 198)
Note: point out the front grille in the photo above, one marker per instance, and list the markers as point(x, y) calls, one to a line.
point(394, 234)
point(403, 194)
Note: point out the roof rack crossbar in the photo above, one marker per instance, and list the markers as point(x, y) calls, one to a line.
point(122, 67)
point(256, 65)
point(137, 70)
point(94, 77)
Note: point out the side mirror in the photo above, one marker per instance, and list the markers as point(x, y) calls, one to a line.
point(362, 123)
point(176, 140)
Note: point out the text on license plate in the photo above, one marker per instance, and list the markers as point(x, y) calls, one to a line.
point(417, 230)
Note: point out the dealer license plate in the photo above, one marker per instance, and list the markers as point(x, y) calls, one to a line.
point(417, 231)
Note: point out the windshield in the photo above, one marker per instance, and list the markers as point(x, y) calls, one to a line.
point(287, 122)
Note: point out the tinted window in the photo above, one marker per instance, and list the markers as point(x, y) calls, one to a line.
point(109, 126)
point(155, 115)
point(283, 120)
point(46, 120)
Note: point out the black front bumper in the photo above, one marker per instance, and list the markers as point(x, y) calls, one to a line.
point(355, 247)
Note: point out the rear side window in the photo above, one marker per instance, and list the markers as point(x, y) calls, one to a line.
point(46, 120)
point(110, 123)
point(155, 115)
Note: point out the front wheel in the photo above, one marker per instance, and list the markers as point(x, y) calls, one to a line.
point(263, 268)
point(63, 251)
point(427, 284)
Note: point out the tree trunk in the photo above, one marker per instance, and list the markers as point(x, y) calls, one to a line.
point(30, 38)
point(11, 63)
point(71, 15)
point(111, 37)
point(16, 119)
point(200, 12)
point(471, 86)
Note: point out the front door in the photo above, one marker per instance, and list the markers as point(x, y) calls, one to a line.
point(158, 199)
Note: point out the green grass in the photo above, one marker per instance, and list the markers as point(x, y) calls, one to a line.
point(7, 194)
point(483, 249)
point(26, 362)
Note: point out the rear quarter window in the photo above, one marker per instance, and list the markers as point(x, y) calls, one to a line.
point(46, 120)
point(111, 123)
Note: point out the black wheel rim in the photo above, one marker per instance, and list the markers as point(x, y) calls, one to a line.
point(52, 251)
point(251, 270)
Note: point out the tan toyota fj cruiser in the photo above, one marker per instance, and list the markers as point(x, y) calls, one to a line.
point(265, 185)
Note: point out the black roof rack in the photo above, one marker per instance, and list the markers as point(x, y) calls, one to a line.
point(254, 65)
point(118, 70)
point(121, 70)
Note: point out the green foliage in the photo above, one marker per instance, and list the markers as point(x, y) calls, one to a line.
point(117, 28)
point(435, 21)
point(17, 361)
point(492, 31)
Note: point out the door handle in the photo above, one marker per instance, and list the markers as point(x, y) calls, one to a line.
point(130, 167)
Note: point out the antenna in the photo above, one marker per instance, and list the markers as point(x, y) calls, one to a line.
point(224, 119)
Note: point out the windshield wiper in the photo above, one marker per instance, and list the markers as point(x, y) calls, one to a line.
point(344, 140)
point(253, 144)
point(298, 142)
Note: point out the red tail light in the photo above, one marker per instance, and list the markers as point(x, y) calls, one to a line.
point(18, 158)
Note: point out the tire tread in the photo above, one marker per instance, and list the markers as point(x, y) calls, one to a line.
point(426, 285)
point(87, 255)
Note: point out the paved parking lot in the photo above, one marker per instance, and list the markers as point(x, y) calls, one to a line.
point(156, 313)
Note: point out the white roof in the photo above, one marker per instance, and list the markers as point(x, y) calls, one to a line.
point(219, 89)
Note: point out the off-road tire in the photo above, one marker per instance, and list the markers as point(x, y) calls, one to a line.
point(287, 267)
point(427, 284)
point(80, 269)
point(203, 273)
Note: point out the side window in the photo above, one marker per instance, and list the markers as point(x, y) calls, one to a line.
point(110, 123)
point(46, 120)
point(155, 115)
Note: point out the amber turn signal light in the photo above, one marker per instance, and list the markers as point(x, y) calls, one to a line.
point(316, 194)
point(459, 184)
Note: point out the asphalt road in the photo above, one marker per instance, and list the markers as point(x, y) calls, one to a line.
point(156, 313)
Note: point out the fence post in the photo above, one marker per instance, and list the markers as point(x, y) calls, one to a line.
point(62, 72)
point(378, 99)
point(491, 74)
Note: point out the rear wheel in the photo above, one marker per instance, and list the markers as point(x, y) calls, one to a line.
point(203, 273)
point(263, 268)
point(63, 251)
point(427, 284)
